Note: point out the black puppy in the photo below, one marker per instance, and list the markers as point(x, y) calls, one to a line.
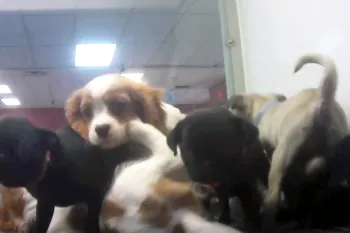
point(222, 149)
point(59, 169)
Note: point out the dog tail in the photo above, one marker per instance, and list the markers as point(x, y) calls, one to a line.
point(329, 84)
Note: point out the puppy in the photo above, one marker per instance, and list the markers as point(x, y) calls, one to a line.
point(151, 200)
point(299, 132)
point(100, 111)
point(222, 149)
point(73, 172)
point(24, 148)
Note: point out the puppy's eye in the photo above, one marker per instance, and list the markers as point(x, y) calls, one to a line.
point(117, 107)
point(86, 110)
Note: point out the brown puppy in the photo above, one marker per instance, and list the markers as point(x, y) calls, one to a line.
point(298, 130)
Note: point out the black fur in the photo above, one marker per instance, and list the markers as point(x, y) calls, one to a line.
point(78, 173)
point(220, 147)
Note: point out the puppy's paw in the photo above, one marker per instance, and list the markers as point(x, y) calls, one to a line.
point(21, 225)
point(141, 132)
point(135, 128)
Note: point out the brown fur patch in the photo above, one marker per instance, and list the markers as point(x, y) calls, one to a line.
point(13, 205)
point(75, 106)
point(110, 209)
point(148, 105)
point(155, 212)
point(178, 194)
point(77, 216)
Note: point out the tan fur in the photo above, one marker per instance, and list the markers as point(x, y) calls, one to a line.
point(74, 113)
point(14, 204)
point(178, 194)
point(287, 126)
point(110, 209)
point(139, 95)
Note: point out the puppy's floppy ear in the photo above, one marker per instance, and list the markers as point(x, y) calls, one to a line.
point(74, 115)
point(174, 137)
point(148, 102)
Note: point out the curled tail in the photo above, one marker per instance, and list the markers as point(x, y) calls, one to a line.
point(330, 76)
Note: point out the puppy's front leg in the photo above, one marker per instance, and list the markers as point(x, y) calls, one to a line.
point(225, 215)
point(92, 220)
point(44, 212)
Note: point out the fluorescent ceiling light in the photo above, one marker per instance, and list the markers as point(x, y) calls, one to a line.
point(133, 76)
point(4, 89)
point(11, 101)
point(94, 55)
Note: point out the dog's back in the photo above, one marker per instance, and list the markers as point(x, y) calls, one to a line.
point(83, 168)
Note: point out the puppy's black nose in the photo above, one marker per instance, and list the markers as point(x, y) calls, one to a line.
point(102, 130)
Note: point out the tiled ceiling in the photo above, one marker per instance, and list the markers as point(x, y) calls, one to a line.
point(175, 43)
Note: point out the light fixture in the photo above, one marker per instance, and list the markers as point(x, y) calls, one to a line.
point(94, 55)
point(11, 101)
point(133, 76)
point(4, 89)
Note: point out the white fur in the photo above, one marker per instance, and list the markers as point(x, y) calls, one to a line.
point(132, 185)
point(173, 115)
point(117, 135)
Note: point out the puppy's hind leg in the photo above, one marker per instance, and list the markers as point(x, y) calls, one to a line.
point(282, 158)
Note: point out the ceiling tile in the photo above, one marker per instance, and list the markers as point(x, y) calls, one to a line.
point(196, 27)
point(37, 5)
point(50, 29)
point(40, 5)
point(204, 7)
point(54, 56)
point(104, 4)
point(158, 5)
point(14, 34)
point(15, 57)
point(209, 53)
point(134, 53)
point(149, 26)
point(179, 45)
point(173, 52)
point(100, 26)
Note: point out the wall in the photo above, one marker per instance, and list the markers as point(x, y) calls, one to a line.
point(48, 118)
point(276, 34)
point(214, 100)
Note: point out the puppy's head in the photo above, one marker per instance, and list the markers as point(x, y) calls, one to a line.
point(25, 151)
point(252, 104)
point(100, 111)
point(211, 141)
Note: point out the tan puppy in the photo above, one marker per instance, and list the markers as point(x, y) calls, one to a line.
point(299, 130)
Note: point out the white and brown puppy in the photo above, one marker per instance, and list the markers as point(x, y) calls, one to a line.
point(299, 131)
point(144, 198)
point(100, 111)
